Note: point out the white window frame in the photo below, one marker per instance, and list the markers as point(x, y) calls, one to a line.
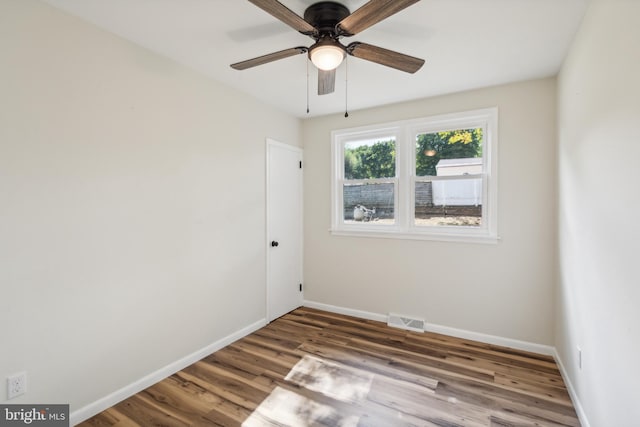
point(405, 133)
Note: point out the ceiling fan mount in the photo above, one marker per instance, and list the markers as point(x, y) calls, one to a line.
point(327, 22)
point(325, 16)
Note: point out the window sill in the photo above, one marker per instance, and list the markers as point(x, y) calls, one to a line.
point(449, 236)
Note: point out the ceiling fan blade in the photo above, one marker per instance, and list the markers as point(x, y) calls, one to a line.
point(286, 15)
point(371, 13)
point(387, 57)
point(268, 58)
point(326, 81)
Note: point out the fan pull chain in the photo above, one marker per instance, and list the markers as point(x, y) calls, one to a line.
point(307, 86)
point(346, 86)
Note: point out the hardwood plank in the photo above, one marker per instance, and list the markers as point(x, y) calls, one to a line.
point(141, 413)
point(549, 378)
point(107, 418)
point(311, 367)
point(225, 387)
point(181, 398)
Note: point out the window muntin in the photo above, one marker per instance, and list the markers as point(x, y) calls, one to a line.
point(462, 169)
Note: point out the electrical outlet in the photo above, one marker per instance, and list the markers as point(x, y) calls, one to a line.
point(16, 385)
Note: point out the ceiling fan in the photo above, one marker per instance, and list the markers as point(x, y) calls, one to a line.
point(327, 22)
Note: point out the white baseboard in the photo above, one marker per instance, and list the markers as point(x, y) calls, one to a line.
point(582, 416)
point(439, 329)
point(108, 401)
point(346, 311)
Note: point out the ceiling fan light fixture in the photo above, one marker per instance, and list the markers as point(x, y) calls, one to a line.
point(327, 56)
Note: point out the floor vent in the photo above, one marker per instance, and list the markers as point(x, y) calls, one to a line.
point(404, 322)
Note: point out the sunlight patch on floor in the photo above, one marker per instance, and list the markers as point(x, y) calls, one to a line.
point(331, 379)
point(335, 381)
point(287, 408)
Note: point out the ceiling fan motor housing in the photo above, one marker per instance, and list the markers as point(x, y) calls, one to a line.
point(324, 16)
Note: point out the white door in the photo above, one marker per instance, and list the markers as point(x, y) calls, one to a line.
point(284, 229)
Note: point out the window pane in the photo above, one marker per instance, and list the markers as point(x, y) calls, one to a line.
point(370, 159)
point(369, 203)
point(448, 153)
point(455, 202)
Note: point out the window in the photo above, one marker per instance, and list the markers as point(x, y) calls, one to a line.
point(430, 178)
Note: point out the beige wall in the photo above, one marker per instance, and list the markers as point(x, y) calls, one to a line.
point(503, 289)
point(599, 146)
point(131, 206)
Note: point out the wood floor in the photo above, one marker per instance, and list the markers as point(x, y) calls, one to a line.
point(313, 368)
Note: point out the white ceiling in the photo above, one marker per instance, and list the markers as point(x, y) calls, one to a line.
point(467, 44)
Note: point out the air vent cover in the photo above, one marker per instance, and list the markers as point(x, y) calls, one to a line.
point(405, 322)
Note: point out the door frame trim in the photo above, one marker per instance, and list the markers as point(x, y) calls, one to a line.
point(269, 142)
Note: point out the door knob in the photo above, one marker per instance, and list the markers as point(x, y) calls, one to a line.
point(274, 243)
